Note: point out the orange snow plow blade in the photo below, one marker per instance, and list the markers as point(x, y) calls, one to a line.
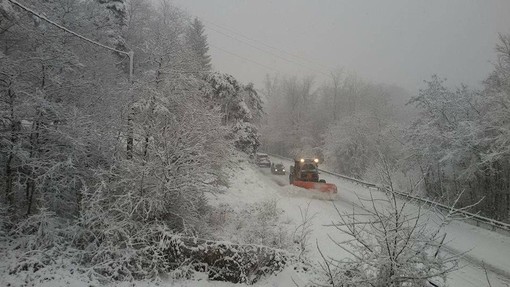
point(320, 186)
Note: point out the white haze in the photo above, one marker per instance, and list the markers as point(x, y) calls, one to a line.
point(394, 42)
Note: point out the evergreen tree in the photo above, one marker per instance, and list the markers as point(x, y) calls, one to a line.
point(117, 8)
point(114, 17)
point(197, 41)
point(240, 106)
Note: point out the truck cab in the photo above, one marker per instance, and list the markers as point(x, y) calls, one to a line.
point(304, 169)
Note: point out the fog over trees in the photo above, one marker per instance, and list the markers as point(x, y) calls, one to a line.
point(442, 143)
point(109, 164)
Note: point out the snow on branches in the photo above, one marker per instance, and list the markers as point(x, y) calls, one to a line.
point(389, 243)
point(240, 106)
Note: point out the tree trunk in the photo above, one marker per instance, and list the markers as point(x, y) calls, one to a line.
point(13, 140)
point(30, 187)
point(34, 146)
point(30, 190)
point(130, 134)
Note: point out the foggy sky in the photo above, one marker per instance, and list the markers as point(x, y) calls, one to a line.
point(399, 42)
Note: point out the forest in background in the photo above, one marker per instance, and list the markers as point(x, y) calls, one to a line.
point(443, 143)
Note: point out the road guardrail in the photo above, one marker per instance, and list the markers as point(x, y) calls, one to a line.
point(477, 219)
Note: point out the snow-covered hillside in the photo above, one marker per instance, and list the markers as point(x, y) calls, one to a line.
point(250, 185)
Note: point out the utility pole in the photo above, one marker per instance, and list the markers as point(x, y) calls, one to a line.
point(131, 54)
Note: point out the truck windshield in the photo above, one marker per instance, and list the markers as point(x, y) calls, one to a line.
point(309, 166)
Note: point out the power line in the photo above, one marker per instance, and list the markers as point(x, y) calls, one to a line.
point(130, 53)
point(266, 45)
point(266, 51)
point(244, 58)
point(65, 29)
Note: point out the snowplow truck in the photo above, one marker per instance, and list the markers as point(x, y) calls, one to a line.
point(305, 173)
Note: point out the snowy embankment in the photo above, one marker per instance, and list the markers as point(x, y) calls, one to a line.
point(251, 187)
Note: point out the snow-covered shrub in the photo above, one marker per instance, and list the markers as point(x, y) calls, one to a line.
point(42, 237)
point(40, 231)
point(132, 250)
point(219, 216)
point(259, 223)
point(62, 272)
point(126, 226)
point(303, 231)
point(225, 261)
point(391, 243)
point(121, 248)
point(137, 205)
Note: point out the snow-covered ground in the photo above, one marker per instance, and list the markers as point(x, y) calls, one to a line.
point(250, 184)
point(485, 247)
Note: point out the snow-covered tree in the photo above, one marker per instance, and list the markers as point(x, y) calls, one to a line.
point(349, 145)
point(496, 108)
point(456, 143)
point(67, 110)
point(240, 107)
point(197, 40)
point(292, 112)
point(47, 96)
point(117, 9)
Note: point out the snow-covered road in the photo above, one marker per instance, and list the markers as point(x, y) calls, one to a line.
point(483, 247)
point(256, 184)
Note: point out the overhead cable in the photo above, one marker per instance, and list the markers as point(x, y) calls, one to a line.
point(265, 44)
point(65, 29)
point(266, 51)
